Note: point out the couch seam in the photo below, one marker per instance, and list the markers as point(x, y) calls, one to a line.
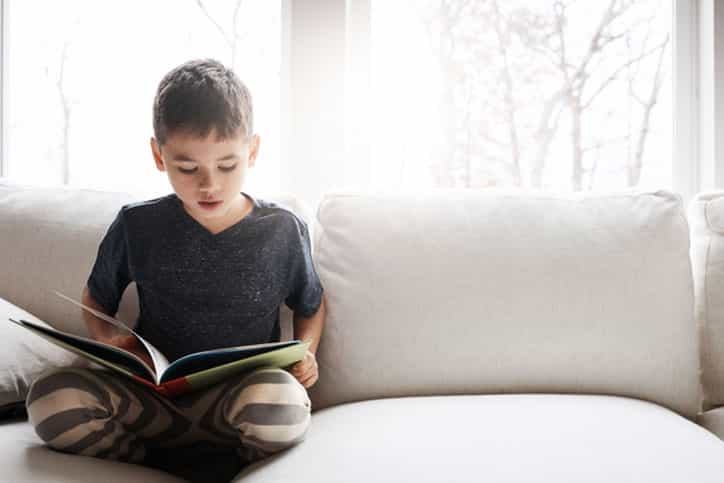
point(705, 352)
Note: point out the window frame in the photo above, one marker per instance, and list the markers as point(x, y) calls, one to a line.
point(4, 49)
point(709, 95)
point(686, 175)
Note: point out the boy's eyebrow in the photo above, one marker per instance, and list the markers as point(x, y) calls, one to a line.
point(183, 157)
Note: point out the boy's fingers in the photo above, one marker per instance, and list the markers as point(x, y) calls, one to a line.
point(308, 381)
point(307, 373)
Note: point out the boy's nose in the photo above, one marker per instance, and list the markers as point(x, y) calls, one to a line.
point(208, 183)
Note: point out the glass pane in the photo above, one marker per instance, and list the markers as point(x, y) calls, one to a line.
point(558, 95)
point(82, 76)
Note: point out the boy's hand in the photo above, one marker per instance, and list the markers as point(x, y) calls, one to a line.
point(131, 344)
point(306, 371)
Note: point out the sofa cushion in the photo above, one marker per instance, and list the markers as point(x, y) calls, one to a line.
point(466, 292)
point(23, 457)
point(48, 239)
point(706, 218)
point(23, 356)
point(532, 438)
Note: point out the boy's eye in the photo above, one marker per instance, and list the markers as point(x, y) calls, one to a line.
point(225, 169)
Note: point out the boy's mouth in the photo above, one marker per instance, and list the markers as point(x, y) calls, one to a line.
point(210, 205)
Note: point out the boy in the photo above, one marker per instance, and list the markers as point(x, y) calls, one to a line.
point(212, 266)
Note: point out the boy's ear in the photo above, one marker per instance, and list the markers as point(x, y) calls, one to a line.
point(156, 151)
point(254, 149)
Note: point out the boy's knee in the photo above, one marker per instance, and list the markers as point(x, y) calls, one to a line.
point(270, 386)
point(271, 409)
point(60, 401)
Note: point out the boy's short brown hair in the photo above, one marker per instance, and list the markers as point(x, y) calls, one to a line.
point(201, 95)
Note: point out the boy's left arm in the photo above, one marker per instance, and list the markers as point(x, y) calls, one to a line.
point(308, 328)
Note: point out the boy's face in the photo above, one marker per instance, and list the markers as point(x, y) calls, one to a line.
point(207, 175)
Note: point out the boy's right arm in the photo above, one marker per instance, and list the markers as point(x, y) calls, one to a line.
point(99, 329)
point(102, 331)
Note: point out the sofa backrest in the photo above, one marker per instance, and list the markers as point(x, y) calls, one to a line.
point(475, 292)
point(706, 217)
point(49, 239)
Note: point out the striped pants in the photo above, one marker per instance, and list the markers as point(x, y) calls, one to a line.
point(94, 412)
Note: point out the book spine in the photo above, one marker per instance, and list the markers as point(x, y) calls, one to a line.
point(168, 389)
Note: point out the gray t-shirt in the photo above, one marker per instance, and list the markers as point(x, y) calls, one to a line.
point(200, 291)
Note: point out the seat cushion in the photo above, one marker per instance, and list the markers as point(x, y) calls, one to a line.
point(23, 457)
point(498, 438)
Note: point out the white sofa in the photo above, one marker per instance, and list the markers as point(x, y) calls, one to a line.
point(470, 336)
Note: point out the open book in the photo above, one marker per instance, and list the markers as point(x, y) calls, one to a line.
point(188, 373)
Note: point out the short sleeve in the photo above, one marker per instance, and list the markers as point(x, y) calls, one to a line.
point(110, 274)
point(305, 290)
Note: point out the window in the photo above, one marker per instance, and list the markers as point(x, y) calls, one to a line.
point(559, 95)
point(81, 78)
point(373, 94)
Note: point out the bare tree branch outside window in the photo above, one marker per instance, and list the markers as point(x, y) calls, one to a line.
point(66, 105)
point(540, 77)
point(234, 38)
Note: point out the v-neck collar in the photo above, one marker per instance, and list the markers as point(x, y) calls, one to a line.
point(194, 222)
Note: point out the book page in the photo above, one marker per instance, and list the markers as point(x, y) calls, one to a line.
point(208, 359)
point(160, 362)
point(282, 357)
point(91, 349)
